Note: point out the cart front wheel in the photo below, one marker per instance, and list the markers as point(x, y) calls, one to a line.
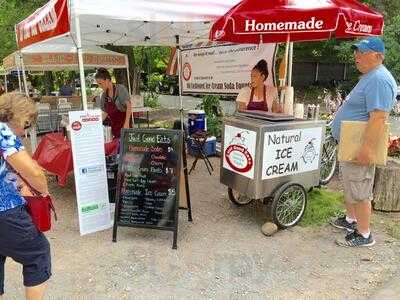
point(289, 205)
point(238, 198)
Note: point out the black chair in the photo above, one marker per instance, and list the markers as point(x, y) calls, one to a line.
point(198, 141)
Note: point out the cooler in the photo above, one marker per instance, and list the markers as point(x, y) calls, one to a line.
point(197, 121)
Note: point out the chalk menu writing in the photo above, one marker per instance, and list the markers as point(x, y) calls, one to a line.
point(149, 173)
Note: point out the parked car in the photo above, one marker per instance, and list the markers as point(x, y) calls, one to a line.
point(169, 84)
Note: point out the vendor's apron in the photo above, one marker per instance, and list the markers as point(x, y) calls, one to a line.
point(257, 105)
point(115, 116)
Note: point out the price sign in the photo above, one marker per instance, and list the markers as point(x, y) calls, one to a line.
point(148, 180)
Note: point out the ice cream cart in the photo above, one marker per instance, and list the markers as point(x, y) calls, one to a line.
point(271, 158)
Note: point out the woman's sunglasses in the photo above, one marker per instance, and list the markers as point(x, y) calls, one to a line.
point(27, 126)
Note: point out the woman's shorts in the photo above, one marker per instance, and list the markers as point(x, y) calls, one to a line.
point(20, 240)
point(358, 182)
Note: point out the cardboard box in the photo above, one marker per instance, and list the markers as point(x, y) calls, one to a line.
point(351, 137)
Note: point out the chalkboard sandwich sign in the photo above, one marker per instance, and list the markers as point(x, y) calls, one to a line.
point(148, 180)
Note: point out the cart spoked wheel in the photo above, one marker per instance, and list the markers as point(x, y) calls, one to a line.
point(289, 205)
point(328, 161)
point(238, 198)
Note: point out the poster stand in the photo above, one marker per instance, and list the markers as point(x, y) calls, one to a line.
point(149, 180)
point(186, 179)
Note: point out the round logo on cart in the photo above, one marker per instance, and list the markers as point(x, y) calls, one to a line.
point(76, 125)
point(187, 71)
point(238, 158)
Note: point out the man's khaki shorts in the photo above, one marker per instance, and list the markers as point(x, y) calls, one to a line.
point(358, 182)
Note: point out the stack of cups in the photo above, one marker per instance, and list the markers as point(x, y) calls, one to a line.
point(288, 100)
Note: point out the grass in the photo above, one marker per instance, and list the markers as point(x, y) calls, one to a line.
point(323, 204)
point(167, 124)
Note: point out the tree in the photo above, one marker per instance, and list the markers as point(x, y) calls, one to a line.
point(154, 59)
point(340, 50)
point(12, 12)
point(141, 60)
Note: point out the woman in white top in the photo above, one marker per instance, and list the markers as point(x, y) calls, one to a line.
point(259, 96)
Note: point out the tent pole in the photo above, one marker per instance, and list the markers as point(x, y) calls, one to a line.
point(80, 62)
point(286, 59)
point(178, 53)
point(19, 80)
point(290, 67)
point(24, 76)
point(5, 82)
point(282, 98)
point(19, 59)
point(128, 76)
point(129, 81)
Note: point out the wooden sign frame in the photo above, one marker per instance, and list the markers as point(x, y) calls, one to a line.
point(181, 163)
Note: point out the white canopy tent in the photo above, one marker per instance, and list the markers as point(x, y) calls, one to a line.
point(139, 22)
point(47, 56)
point(56, 57)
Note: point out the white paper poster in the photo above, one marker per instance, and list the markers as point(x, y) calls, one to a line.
point(87, 141)
point(239, 150)
point(223, 69)
point(291, 151)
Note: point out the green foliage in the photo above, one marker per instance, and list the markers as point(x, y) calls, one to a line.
point(153, 81)
point(323, 51)
point(167, 124)
point(214, 126)
point(322, 205)
point(12, 12)
point(150, 99)
point(340, 50)
point(152, 59)
point(212, 107)
point(311, 94)
point(392, 39)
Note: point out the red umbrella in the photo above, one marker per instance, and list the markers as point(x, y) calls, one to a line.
point(255, 21)
point(269, 21)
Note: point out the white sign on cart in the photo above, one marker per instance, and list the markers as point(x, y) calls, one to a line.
point(239, 150)
point(87, 141)
point(291, 152)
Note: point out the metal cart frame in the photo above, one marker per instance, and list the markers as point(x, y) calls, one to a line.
point(288, 193)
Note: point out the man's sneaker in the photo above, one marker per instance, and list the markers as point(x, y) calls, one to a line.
point(355, 239)
point(343, 224)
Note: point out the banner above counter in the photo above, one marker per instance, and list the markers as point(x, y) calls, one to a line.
point(223, 69)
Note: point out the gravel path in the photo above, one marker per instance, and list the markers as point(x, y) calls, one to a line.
point(221, 255)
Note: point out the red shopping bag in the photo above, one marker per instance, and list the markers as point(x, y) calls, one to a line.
point(40, 208)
